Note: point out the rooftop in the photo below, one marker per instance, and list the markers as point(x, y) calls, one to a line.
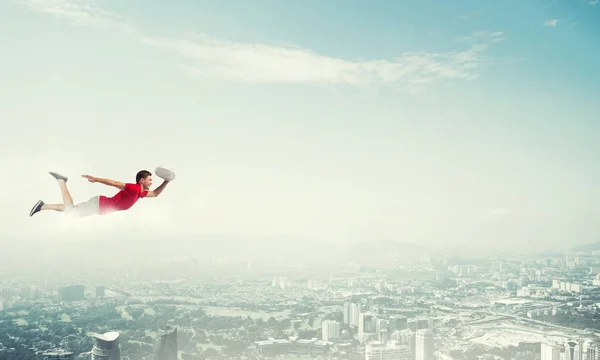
point(107, 336)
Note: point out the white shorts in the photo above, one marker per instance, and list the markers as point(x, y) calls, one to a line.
point(87, 208)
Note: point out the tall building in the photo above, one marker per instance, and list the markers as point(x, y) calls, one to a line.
point(413, 324)
point(383, 336)
point(72, 293)
point(106, 346)
point(398, 323)
point(391, 351)
point(6, 294)
point(424, 345)
point(30, 293)
point(430, 323)
point(354, 315)
point(573, 350)
point(346, 313)
point(365, 323)
point(330, 330)
point(166, 344)
point(381, 327)
point(408, 337)
point(591, 350)
point(550, 352)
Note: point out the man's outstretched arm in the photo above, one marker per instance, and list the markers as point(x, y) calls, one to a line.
point(119, 185)
point(158, 190)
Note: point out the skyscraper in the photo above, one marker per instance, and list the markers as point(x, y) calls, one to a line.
point(390, 351)
point(407, 336)
point(166, 344)
point(355, 310)
point(550, 351)
point(573, 350)
point(365, 323)
point(330, 330)
point(424, 345)
point(106, 347)
point(398, 322)
point(346, 313)
point(591, 349)
point(72, 293)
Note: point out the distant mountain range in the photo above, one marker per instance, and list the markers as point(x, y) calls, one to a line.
point(587, 247)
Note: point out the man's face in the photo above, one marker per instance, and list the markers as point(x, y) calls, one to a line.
point(146, 183)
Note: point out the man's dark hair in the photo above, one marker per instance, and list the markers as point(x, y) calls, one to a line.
point(142, 174)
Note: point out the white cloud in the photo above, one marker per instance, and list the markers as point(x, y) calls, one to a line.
point(551, 22)
point(81, 12)
point(487, 37)
point(208, 56)
point(592, 2)
point(265, 63)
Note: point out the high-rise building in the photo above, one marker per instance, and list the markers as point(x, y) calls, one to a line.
point(398, 322)
point(330, 330)
point(413, 324)
point(591, 349)
point(72, 293)
point(424, 345)
point(408, 337)
point(422, 324)
point(550, 351)
point(573, 350)
point(355, 311)
point(383, 336)
point(166, 344)
point(430, 323)
point(346, 313)
point(390, 351)
point(6, 294)
point(29, 292)
point(106, 346)
point(365, 323)
point(380, 325)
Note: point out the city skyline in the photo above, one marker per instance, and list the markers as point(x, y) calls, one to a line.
point(517, 307)
point(467, 124)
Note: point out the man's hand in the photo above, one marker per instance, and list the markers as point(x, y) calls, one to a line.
point(90, 178)
point(119, 185)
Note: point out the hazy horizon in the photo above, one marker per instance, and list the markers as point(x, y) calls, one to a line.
point(429, 123)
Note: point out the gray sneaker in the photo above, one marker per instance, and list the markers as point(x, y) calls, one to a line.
point(36, 208)
point(58, 176)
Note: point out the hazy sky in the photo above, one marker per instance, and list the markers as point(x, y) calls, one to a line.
point(435, 122)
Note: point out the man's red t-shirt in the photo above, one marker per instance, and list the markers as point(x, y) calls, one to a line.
point(122, 200)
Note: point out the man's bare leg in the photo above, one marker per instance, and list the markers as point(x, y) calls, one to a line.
point(62, 182)
point(67, 199)
point(55, 207)
point(40, 205)
point(66, 196)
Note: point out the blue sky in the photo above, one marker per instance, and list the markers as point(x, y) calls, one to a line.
point(434, 122)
